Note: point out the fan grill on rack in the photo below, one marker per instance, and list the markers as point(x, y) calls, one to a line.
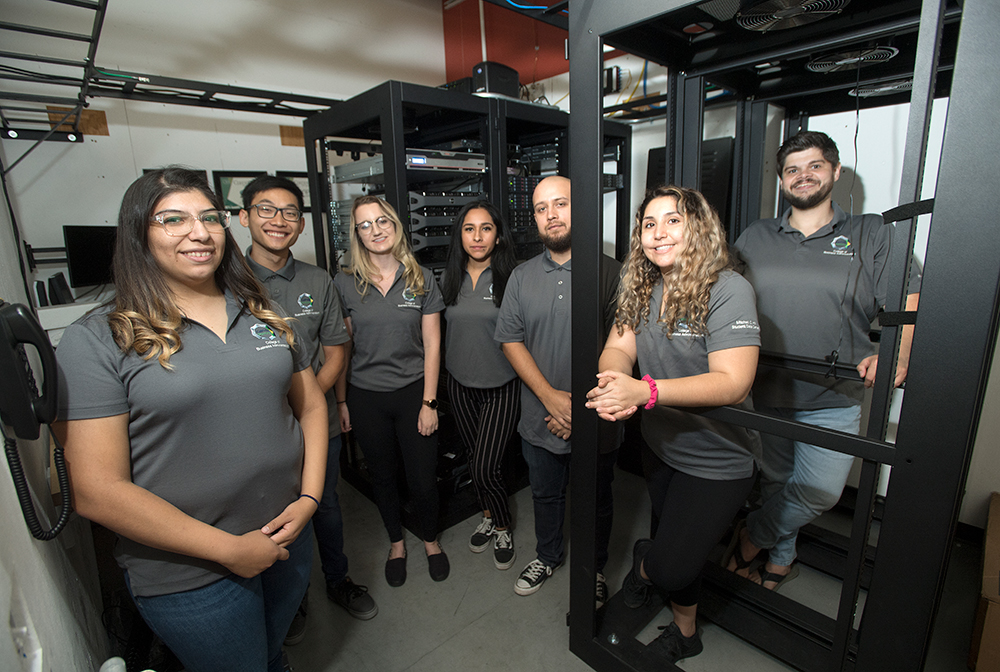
point(884, 89)
point(851, 60)
point(764, 15)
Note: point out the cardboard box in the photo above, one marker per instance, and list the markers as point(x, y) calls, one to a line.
point(984, 653)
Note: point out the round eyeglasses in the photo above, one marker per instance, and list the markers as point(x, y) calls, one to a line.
point(180, 223)
point(265, 211)
point(381, 222)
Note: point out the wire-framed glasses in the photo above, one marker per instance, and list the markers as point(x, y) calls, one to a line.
point(180, 223)
point(382, 223)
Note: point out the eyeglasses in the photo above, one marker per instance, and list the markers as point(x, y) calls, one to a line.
point(265, 211)
point(180, 223)
point(381, 222)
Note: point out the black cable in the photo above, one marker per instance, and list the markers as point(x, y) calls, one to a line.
point(24, 494)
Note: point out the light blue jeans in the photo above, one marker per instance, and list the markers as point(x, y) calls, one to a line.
point(798, 481)
point(234, 624)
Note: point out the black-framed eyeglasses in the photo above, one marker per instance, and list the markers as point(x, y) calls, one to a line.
point(381, 222)
point(180, 223)
point(265, 211)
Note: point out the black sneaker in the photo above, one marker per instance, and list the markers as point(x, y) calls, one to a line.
point(532, 577)
point(483, 536)
point(601, 593)
point(354, 598)
point(503, 549)
point(635, 591)
point(673, 646)
point(297, 630)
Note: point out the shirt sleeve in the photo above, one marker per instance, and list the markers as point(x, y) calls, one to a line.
point(89, 374)
point(732, 316)
point(510, 323)
point(332, 331)
point(432, 303)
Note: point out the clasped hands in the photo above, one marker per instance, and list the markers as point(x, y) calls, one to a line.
point(617, 396)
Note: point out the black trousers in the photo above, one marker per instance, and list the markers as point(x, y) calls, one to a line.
point(378, 420)
point(486, 419)
point(693, 514)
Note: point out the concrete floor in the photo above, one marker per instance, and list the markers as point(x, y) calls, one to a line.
point(475, 621)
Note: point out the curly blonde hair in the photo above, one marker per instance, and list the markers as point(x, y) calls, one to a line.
point(686, 288)
point(146, 318)
point(364, 270)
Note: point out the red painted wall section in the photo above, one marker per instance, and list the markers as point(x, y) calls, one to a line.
point(535, 49)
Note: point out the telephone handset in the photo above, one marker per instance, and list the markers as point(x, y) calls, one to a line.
point(21, 406)
point(25, 410)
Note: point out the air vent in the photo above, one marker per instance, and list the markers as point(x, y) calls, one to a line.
point(764, 15)
point(851, 60)
point(884, 89)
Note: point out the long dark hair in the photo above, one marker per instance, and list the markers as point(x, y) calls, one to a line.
point(503, 260)
point(145, 316)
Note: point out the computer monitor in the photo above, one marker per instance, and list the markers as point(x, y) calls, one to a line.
point(89, 250)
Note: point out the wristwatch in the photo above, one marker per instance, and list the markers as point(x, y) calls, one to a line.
point(431, 403)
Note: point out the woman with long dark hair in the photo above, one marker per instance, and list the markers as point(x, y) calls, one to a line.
point(394, 316)
point(691, 323)
point(195, 429)
point(484, 390)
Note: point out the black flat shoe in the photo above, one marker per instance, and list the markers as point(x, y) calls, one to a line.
point(395, 571)
point(438, 566)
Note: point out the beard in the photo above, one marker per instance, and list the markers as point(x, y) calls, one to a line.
point(557, 243)
point(811, 201)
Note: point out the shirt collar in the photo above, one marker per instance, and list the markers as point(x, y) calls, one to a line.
point(287, 271)
point(838, 220)
point(549, 265)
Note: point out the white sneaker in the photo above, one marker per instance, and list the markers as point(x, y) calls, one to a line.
point(503, 549)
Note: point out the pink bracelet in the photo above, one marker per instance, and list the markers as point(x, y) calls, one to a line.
point(653, 392)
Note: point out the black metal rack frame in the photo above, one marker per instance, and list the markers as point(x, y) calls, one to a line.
point(947, 369)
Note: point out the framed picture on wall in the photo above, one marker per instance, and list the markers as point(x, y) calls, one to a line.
point(204, 173)
point(301, 180)
point(229, 185)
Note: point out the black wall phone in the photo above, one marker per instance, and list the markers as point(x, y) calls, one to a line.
point(24, 409)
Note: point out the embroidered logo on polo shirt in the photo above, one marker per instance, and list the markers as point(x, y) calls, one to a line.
point(410, 298)
point(263, 332)
point(841, 247)
point(490, 297)
point(305, 301)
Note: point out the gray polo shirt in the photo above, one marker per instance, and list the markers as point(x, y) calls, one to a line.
point(472, 357)
point(388, 352)
point(306, 293)
point(691, 443)
point(537, 311)
point(813, 294)
point(215, 436)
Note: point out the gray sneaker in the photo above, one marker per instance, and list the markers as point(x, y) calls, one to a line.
point(354, 598)
point(503, 549)
point(483, 536)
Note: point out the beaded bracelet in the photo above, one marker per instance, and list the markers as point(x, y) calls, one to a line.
point(310, 497)
point(653, 392)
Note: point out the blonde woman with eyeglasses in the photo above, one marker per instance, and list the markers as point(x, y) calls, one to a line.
point(394, 316)
point(195, 429)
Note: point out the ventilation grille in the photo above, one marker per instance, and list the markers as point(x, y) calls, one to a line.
point(885, 89)
point(764, 15)
point(851, 60)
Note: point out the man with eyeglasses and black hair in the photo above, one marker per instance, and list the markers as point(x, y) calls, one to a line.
point(272, 212)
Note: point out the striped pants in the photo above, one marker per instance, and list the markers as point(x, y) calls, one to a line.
point(486, 419)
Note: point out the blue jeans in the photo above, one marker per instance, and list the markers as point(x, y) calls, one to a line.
point(233, 624)
point(329, 522)
point(798, 481)
point(548, 475)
